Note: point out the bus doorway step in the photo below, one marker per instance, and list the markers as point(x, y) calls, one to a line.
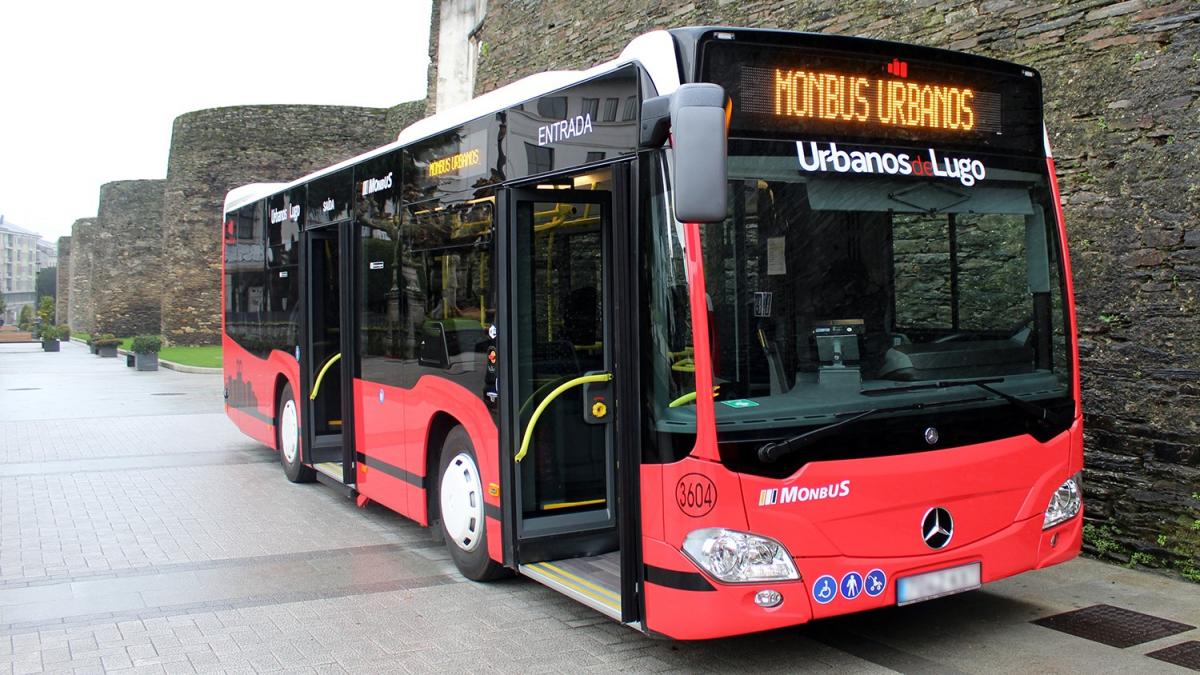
point(330, 473)
point(595, 581)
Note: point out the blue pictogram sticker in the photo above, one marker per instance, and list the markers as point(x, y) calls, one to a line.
point(875, 582)
point(825, 590)
point(852, 585)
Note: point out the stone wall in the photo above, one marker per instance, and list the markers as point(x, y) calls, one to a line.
point(62, 303)
point(126, 254)
point(81, 313)
point(215, 150)
point(1121, 82)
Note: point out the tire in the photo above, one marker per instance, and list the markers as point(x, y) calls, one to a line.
point(287, 438)
point(460, 509)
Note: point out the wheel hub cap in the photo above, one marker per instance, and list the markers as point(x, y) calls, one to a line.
point(462, 502)
point(289, 432)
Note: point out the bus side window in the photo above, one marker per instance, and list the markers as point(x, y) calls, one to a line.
point(450, 292)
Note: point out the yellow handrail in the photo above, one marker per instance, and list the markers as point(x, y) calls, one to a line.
point(321, 376)
point(689, 397)
point(533, 420)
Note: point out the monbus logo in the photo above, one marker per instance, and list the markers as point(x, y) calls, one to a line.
point(787, 495)
point(372, 185)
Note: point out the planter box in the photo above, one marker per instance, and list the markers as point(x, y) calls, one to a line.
point(93, 348)
point(147, 361)
point(129, 361)
point(49, 345)
point(108, 352)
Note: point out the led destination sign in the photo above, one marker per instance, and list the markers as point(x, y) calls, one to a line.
point(861, 100)
point(827, 89)
point(455, 162)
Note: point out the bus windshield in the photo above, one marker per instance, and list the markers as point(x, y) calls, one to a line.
point(825, 288)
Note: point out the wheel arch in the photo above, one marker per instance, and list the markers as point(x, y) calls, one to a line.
point(280, 381)
point(440, 426)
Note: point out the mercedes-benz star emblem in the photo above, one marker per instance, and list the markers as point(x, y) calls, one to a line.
point(931, 435)
point(937, 528)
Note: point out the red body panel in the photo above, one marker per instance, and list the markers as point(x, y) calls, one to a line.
point(250, 388)
point(393, 426)
point(996, 491)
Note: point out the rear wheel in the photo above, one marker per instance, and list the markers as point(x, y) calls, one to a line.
point(460, 508)
point(287, 437)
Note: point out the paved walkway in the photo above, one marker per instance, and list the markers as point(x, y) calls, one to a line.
point(141, 532)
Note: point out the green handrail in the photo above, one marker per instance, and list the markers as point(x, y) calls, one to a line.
point(537, 413)
point(321, 375)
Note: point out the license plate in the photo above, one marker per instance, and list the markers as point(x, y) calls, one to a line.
point(936, 584)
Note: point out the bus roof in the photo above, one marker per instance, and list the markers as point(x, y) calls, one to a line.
point(655, 52)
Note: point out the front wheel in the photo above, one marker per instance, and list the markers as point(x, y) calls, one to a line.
point(460, 509)
point(287, 438)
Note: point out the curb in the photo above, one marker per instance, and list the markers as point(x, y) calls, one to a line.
point(197, 370)
point(171, 365)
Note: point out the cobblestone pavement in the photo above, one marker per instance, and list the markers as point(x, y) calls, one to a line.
point(141, 532)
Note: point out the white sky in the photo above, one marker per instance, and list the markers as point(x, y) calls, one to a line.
point(89, 89)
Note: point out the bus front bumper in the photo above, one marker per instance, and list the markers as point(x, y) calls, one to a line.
point(684, 603)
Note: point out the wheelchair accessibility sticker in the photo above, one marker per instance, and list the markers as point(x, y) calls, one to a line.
point(825, 590)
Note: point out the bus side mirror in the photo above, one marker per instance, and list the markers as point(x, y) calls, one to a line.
point(698, 134)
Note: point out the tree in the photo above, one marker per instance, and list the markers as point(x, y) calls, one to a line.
point(25, 320)
point(47, 282)
point(3, 309)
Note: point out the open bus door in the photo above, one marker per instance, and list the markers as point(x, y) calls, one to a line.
point(327, 356)
point(562, 329)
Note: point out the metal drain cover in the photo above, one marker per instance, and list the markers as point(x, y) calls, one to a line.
point(170, 393)
point(1114, 626)
point(1186, 654)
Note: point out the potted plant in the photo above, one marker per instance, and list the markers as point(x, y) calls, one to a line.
point(106, 345)
point(49, 339)
point(145, 349)
point(45, 315)
point(64, 332)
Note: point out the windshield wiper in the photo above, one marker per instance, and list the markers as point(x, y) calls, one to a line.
point(771, 452)
point(1040, 414)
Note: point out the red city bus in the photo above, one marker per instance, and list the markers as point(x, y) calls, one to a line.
point(742, 329)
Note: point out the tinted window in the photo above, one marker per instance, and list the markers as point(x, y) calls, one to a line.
point(329, 198)
point(381, 341)
point(449, 298)
point(281, 313)
point(244, 287)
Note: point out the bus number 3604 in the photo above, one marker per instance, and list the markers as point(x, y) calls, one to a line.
point(696, 494)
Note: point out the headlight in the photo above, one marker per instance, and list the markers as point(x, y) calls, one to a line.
point(735, 556)
point(1064, 503)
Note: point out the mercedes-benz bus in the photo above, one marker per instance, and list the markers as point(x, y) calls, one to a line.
point(742, 329)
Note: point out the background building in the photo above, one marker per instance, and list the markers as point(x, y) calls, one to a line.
point(21, 257)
